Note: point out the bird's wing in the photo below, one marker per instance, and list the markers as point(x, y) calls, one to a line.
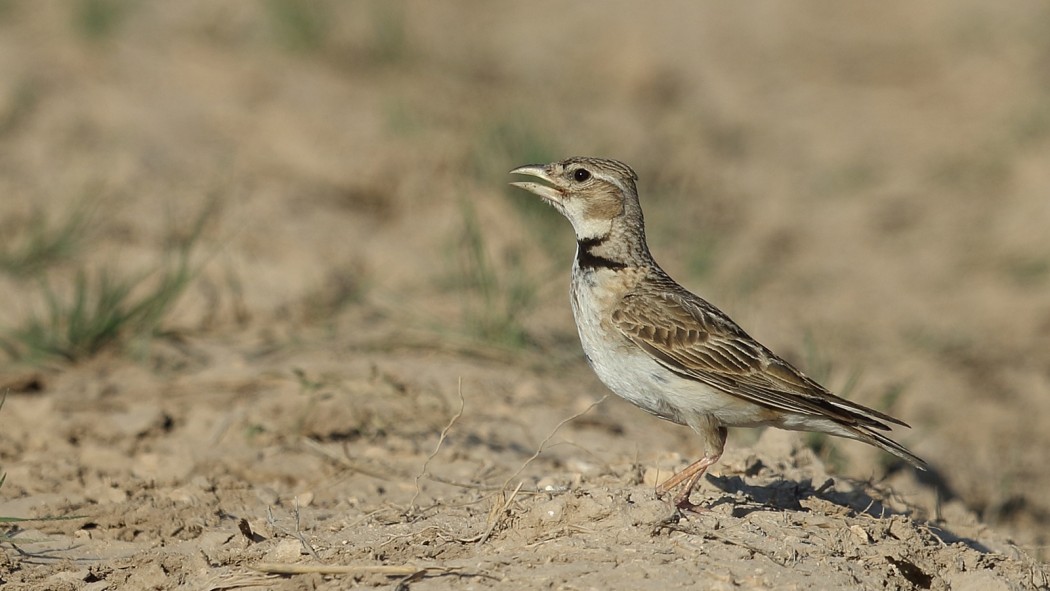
point(694, 339)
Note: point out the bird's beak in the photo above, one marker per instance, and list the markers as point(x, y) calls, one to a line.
point(538, 170)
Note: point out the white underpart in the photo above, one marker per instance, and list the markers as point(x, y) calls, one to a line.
point(637, 377)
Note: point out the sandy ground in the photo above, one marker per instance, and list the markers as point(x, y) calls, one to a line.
point(374, 365)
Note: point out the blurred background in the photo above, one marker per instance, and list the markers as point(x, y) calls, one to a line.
point(865, 188)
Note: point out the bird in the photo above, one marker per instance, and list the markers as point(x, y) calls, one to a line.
point(669, 351)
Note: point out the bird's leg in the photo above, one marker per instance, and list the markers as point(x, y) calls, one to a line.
point(691, 475)
point(715, 442)
point(690, 472)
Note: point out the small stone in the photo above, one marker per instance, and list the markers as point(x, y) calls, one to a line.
point(861, 534)
point(286, 550)
point(304, 499)
point(902, 529)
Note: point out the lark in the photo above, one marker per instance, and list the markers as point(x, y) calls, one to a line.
point(669, 351)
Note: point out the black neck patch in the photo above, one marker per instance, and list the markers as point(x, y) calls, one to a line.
point(586, 259)
point(588, 243)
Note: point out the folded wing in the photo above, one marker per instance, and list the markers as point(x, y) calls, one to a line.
point(694, 339)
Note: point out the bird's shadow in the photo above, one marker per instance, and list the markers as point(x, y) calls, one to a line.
point(787, 495)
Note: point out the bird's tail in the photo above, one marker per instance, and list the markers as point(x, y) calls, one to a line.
point(881, 441)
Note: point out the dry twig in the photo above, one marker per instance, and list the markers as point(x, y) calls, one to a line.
point(437, 448)
point(543, 444)
point(342, 569)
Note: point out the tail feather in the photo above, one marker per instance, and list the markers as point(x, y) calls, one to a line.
point(881, 441)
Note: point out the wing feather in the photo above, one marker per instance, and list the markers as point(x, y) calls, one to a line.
point(694, 339)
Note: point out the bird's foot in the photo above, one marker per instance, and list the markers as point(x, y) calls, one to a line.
point(683, 505)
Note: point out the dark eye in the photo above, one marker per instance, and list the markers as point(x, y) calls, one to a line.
point(581, 175)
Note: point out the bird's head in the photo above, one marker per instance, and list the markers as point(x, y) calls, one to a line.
point(593, 193)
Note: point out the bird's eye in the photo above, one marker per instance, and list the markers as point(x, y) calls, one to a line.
point(581, 175)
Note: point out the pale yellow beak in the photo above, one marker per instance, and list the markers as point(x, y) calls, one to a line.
point(540, 171)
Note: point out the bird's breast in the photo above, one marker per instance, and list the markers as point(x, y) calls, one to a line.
point(633, 374)
point(620, 364)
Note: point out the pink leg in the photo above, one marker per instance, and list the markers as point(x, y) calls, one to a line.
point(715, 439)
point(691, 475)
